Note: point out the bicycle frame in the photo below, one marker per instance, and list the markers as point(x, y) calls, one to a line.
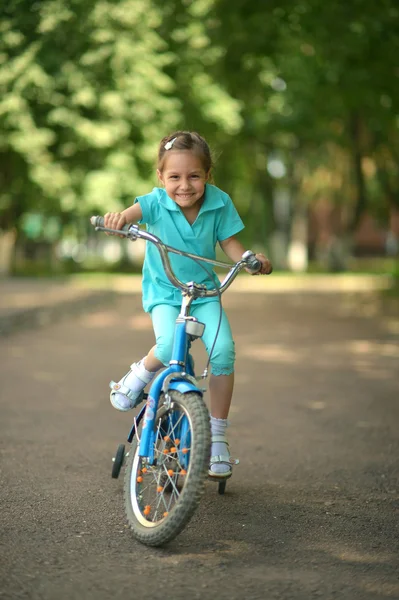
point(178, 376)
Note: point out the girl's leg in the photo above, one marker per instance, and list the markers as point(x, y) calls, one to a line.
point(222, 377)
point(151, 363)
point(142, 372)
point(221, 392)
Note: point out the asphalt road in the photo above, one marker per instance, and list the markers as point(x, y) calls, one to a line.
point(311, 511)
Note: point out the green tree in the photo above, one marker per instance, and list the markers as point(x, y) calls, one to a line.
point(83, 98)
point(316, 81)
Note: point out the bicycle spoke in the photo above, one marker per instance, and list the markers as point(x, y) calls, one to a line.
point(175, 425)
point(153, 478)
point(171, 481)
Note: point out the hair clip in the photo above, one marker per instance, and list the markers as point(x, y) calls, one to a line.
point(169, 145)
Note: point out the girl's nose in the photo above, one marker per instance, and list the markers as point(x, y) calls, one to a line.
point(185, 184)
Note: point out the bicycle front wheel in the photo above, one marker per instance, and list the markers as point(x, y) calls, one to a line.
point(161, 498)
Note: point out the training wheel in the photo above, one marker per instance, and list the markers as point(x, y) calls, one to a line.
point(118, 461)
point(222, 487)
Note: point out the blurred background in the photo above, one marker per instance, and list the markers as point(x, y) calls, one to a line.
point(298, 100)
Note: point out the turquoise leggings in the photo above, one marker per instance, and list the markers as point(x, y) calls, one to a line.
point(223, 356)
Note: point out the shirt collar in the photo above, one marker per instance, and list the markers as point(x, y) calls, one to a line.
point(212, 201)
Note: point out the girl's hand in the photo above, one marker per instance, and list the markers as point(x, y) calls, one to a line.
point(114, 221)
point(267, 267)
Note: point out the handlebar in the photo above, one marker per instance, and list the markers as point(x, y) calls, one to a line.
point(133, 232)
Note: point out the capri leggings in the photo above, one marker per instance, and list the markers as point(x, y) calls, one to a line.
point(223, 356)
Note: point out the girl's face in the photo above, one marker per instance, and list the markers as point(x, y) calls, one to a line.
point(184, 177)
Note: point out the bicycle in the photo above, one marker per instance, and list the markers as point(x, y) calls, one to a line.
point(167, 465)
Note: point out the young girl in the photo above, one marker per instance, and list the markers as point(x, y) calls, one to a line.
point(192, 215)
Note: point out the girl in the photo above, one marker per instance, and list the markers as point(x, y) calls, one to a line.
point(192, 215)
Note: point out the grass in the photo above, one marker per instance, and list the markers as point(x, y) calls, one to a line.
point(61, 269)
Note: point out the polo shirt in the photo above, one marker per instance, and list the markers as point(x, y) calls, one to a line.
point(217, 220)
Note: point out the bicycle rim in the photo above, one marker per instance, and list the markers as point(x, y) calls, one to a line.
point(161, 498)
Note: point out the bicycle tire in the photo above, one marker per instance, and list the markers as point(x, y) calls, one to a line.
point(118, 461)
point(145, 528)
point(221, 487)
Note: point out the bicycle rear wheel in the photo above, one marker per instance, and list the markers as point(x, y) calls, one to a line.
point(161, 498)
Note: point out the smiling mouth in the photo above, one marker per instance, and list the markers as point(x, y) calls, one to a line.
point(184, 196)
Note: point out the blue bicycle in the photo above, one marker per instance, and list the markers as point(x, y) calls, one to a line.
point(167, 465)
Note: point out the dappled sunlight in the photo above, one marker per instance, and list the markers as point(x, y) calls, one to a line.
point(386, 349)
point(100, 319)
point(363, 357)
point(18, 299)
point(140, 322)
point(225, 549)
point(362, 366)
point(317, 405)
point(270, 352)
point(368, 561)
point(354, 556)
point(380, 374)
point(370, 371)
point(391, 590)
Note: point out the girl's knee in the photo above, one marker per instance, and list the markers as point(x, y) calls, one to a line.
point(222, 369)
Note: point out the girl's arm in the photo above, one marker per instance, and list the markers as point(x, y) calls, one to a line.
point(234, 250)
point(118, 220)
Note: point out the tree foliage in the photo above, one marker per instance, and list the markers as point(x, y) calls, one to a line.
point(319, 82)
point(88, 87)
point(83, 98)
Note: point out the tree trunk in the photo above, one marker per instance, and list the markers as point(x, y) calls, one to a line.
point(361, 195)
point(7, 244)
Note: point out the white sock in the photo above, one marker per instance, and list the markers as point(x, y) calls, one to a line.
point(218, 427)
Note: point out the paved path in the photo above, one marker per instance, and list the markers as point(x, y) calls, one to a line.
point(27, 303)
point(31, 302)
point(312, 510)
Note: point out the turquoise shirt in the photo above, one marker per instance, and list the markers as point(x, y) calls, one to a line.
point(217, 220)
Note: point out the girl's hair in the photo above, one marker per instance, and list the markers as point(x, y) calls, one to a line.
point(185, 140)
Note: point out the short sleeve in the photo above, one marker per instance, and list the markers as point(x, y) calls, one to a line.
point(149, 207)
point(230, 222)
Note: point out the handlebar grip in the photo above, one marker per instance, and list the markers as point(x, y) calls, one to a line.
point(252, 262)
point(99, 222)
